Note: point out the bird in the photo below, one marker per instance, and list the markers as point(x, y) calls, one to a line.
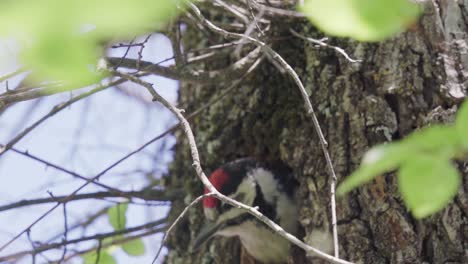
point(268, 186)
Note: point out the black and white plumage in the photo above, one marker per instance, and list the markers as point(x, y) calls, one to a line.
point(269, 186)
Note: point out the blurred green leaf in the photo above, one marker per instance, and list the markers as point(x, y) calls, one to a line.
point(462, 124)
point(439, 139)
point(376, 161)
point(427, 184)
point(123, 18)
point(117, 216)
point(134, 247)
point(66, 58)
point(61, 39)
point(365, 20)
point(110, 240)
point(104, 258)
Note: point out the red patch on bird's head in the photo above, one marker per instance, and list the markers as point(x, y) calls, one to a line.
point(218, 178)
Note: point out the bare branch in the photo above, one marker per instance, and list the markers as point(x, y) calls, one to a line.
point(174, 36)
point(181, 215)
point(65, 233)
point(52, 112)
point(249, 31)
point(274, 11)
point(145, 194)
point(233, 11)
point(69, 172)
point(100, 236)
point(323, 44)
point(127, 50)
point(23, 95)
point(232, 72)
point(116, 241)
point(82, 224)
point(11, 74)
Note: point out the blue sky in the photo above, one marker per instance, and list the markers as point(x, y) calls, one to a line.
point(85, 138)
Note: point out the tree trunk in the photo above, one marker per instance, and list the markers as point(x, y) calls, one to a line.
point(412, 80)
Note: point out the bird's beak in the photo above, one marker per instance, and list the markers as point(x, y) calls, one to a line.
point(207, 231)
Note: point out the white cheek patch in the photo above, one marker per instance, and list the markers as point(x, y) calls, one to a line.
point(245, 194)
point(246, 191)
point(267, 182)
point(284, 205)
point(230, 214)
point(210, 213)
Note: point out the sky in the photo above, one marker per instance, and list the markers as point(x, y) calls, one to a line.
point(86, 138)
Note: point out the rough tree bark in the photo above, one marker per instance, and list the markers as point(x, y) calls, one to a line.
point(414, 79)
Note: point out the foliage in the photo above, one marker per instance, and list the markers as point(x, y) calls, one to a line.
point(117, 216)
point(104, 258)
point(365, 20)
point(61, 39)
point(134, 247)
point(427, 178)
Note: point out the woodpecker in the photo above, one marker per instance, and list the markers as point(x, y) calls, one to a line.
point(271, 188)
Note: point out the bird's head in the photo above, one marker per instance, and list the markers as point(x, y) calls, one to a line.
point(268, 186)
point(236, 181)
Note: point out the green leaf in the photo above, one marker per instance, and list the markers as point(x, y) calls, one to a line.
point(462, 124)
point(117, 216)
point(61, 40)
point(134, 247)
point(439, 139)
point(104, 258)
point(109, 240)
point(66, 58)
point(427, 184)
point(125, 18)
point(366, 20)
point(376, 161)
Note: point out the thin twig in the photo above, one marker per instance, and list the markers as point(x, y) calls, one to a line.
point(232, 72)
point(233, 10)
point(181, 215)
point(53, 111)
point(174, 37)
point(273, 11)
point(262, 10)
point(11, 74)
point(100, 236)
point(127, 50)
point(69, 172)
point(65, 233)
point(323, 44)
point(140, 51)
point(18, 95)
point(83, 224)
point(98, 251)
point(120, 241)
point(248, 31)
point(147, 195)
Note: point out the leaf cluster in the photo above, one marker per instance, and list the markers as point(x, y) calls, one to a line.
point(427, 177)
